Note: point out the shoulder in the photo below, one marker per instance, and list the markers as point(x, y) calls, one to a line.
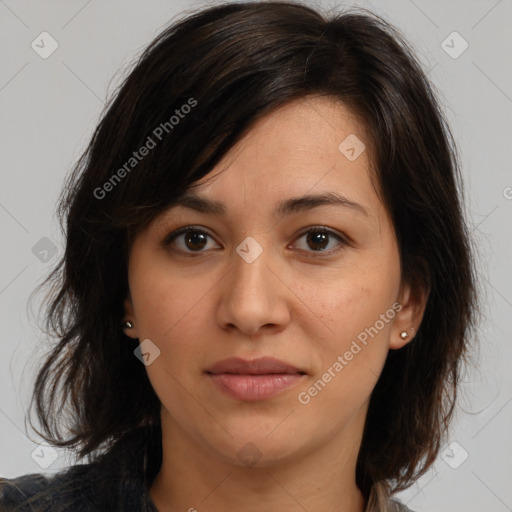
point(17, 491)
point(118, 480)
point(41, 493)
point(80, 488)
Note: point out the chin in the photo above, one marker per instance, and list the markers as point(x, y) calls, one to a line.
point(253, 447)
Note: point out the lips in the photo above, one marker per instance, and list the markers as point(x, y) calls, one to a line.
point(259, 366)
point(254, 380)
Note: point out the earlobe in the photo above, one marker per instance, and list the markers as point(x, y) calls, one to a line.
point(128, 324)
point(404, 337)
point(408, 319)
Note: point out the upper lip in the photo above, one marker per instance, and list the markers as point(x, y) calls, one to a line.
point(258, 366)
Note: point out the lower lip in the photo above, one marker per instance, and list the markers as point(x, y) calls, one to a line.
point(254, 387)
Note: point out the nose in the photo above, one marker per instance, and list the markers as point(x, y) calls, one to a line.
point(254, 296)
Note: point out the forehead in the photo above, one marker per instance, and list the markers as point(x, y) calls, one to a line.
point(319, 128)
point(308, 146)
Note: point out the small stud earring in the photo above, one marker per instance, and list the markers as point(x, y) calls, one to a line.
point(404, 335)
point(127, 325)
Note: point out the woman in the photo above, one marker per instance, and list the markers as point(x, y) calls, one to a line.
point(267, 289)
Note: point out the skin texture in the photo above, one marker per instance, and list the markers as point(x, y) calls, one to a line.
point(292, 302)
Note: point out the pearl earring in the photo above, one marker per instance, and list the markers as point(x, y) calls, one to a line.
point(404, 335)
point(127, 325)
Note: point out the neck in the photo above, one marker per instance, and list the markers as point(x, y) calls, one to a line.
point(194, 478)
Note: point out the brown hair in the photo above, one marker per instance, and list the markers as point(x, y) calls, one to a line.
point(233, 64)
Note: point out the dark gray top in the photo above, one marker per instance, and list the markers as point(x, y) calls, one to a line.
point(117, 482)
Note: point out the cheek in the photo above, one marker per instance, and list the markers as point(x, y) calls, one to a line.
point(356, 298)
point(174, 321)
point(353, 355)
point(174, 317)
point(173, 308)
point(165, 314)
point(357, 316)
point(164, 300)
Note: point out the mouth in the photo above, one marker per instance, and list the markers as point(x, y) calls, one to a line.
point(254, 380)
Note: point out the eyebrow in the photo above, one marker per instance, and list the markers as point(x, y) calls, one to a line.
point(284, 208)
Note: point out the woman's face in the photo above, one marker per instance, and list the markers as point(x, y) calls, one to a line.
point(297, 262)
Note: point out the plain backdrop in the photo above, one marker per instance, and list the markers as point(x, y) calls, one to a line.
point(49, 105)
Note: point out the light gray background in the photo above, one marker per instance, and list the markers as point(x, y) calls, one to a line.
point(49, 108)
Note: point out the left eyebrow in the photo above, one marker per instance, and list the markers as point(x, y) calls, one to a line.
point(308, 202)
point(284, 208)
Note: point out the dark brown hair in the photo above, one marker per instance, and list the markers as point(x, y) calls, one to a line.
point(233, 64)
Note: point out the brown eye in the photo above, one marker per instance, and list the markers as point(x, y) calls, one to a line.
point(317, 240)
point(195, 240)
point(322, 240)
point(189, 240)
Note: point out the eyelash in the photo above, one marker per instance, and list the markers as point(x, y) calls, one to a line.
point(343, 241)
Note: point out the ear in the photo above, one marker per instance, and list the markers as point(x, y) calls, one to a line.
point(129, 314)
point(413, 300)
